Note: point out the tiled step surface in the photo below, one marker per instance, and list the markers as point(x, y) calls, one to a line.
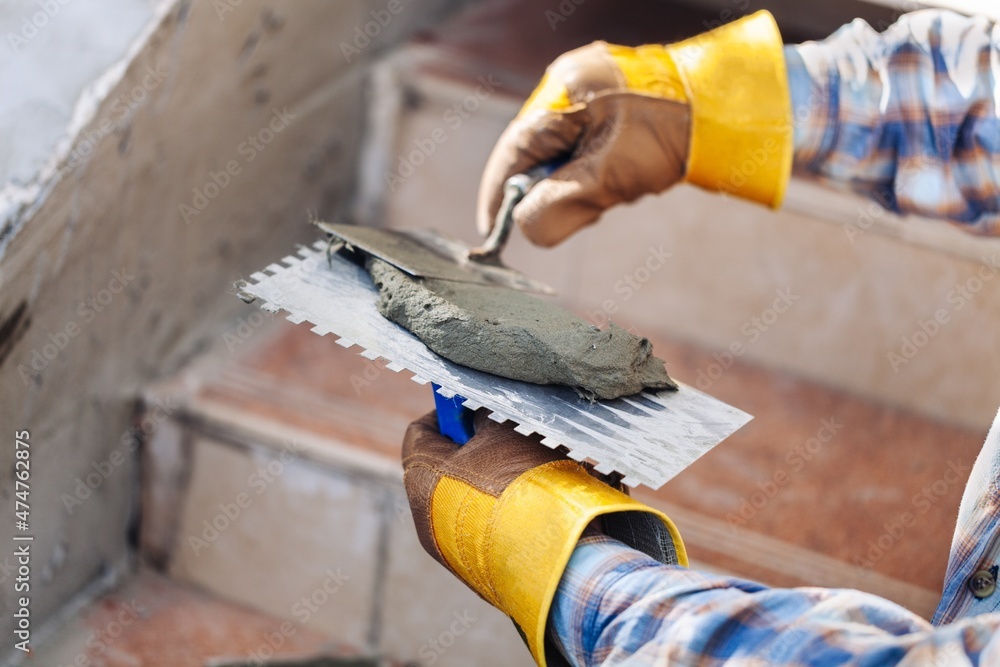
point(810, 491)
point(153, 621)
point(277, 479)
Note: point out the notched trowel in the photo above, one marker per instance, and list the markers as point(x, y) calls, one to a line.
point(647, 438)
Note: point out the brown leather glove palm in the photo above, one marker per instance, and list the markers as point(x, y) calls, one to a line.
point(504, 512)
point(625, 142)
point(634, 121)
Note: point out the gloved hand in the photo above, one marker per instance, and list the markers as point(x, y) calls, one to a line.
point(504, 513)
point(713, 110)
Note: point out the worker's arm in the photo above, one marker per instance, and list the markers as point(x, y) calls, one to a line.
point(908, 116)
point(504, 513)
point(624, 122)
point(617, 607)
point(614, 606)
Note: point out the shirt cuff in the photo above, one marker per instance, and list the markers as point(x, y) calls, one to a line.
point(814, 109)
point(596, 564)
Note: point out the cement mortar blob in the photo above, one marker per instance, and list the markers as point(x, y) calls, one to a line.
point(518, 336)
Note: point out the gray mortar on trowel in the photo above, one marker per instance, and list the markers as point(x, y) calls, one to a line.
point(515, 335)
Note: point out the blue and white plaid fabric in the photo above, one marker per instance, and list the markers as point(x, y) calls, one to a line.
point(908, 117)
point(616, 606)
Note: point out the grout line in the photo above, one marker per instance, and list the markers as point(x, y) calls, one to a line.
point(181, 494)
point(241, 430)
point(376, 621)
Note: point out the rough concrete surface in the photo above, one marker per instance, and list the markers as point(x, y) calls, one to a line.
point(516, 335)
point(50, 53)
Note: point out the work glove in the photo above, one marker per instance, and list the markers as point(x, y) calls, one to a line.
point(713, 110)
point(504, 513)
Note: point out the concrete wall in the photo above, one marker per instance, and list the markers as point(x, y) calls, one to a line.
point(251, 118)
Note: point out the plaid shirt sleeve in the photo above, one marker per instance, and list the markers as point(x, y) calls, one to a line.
point(616, 606)
point(908, 117)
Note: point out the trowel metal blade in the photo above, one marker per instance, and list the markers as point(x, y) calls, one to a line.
point(648, 438)
point(427, 253)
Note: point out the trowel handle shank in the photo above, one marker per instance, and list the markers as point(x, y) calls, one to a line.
point(522, 183)
point(514, 190)
point(454, 420)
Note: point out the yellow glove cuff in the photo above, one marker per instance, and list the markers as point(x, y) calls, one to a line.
point(550, 94)
point(741, 120)
point(513, 549)
point(645, 70)
point(649, 70)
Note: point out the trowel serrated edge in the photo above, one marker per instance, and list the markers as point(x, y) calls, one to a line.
point(578, 452)
point(300, 318)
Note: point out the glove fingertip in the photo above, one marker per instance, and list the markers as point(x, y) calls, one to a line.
point(426, 422)
point(550, 213)
point(423, 438)
point(528, 141)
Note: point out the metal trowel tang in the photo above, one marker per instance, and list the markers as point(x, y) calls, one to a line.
point(426, 253)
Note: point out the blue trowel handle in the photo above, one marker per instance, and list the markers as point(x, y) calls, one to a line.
point(454, 420)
